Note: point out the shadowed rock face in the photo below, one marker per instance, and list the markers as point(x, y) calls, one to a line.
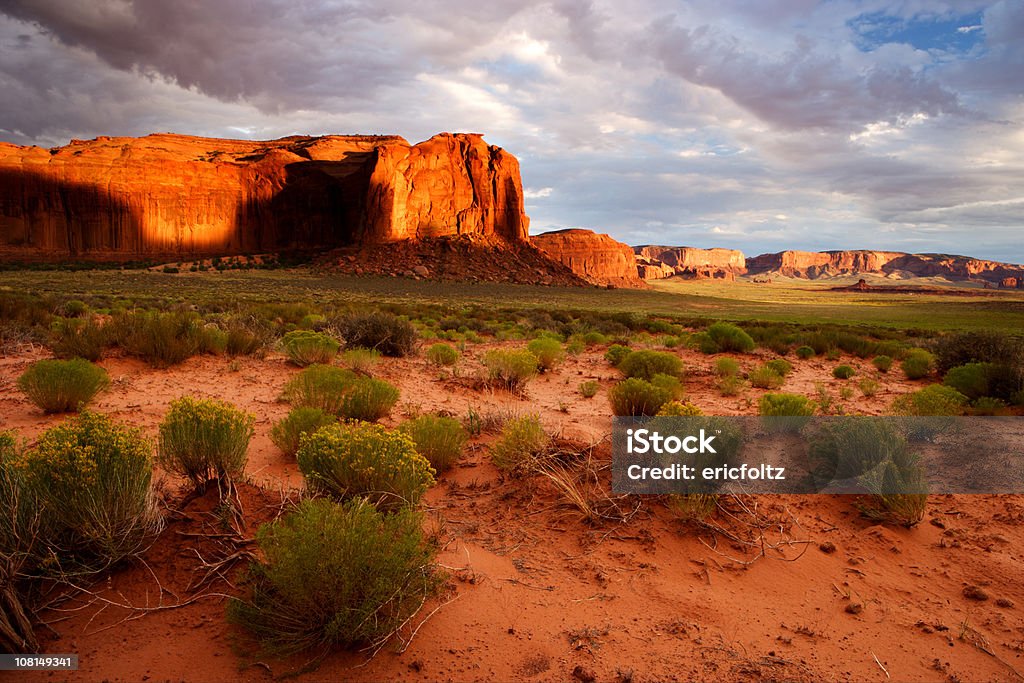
point(182, 196)
point(597, 258)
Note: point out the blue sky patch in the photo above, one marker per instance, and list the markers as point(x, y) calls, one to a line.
point(958, 34)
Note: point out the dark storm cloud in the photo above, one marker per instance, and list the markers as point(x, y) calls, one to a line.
point(767, 125)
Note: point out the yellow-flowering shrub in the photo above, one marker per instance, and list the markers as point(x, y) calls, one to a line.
point(364, 459)
point(679, 409)
point(204, 439)
point(91, 477)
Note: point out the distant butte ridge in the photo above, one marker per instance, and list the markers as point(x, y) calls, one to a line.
point(450, 207)
point(688, 262)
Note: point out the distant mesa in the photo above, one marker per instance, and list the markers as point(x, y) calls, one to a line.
point(657, 262)
point(890, 264)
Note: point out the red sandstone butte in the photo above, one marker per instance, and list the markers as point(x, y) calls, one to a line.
point(182, 196)
point(597, 258)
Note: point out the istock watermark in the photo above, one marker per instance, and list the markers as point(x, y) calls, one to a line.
point(846, 454)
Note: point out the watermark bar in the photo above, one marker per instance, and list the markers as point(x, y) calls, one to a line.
point(38, 662)
point(833, 454)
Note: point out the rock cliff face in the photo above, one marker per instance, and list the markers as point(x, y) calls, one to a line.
point(654, 262)
point(815, 264)
point(896, 265)
point(595, 257)
point(181, 196)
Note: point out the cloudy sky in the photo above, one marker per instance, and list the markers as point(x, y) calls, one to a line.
point(755, 125)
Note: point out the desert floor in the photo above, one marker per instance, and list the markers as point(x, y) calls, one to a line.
point(537, 593)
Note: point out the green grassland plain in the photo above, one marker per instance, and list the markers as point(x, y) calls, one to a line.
point(798, 302)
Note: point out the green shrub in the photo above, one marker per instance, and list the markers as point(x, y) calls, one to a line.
point(287, 433)
point(788, 412)
point(635, 396)
point(669, 383)
point(364, 459)
point(91, 478)
point(510, 369)
point(882, 363)
point(213, 340)
point(727, 367)
point(359, 360)
point(368, 399)
point(764, 377)
point(79, 339)
point(336, 576)
point(982, 346)
point(933, 400)
point(843, 372)
point(442, 354)
point(868, 387)
point(75, 308)
point(305, 347)
point(575, 346)
point(805, 352)
point(647, 364)
point(438, 439)
point(548, 351)
point(847, 447)
point(616, 353)
point(730, 386)
point(987, 405)
point(973, 380)
point(247, 337)
point(703, 342)
point(160, 339)
point(918, 364)
point(19, 545)
point(204, 440)
point(522, 440)
point(385, 332)
point(899, 488)
point(589, 389)
point(320, 386)
point(679, 409)
point(594, 339)
point(779, 365)
point(60, 386)
point(728, 337)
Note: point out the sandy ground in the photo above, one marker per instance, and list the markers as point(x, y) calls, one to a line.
point(536, 593)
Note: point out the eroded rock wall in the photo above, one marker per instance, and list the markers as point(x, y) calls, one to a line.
point(182, 196)
point(597, 258)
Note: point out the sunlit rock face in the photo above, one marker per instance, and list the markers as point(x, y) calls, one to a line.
point(596, 258)
point(892, 264)
point(656, 262)
point(176, 195)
